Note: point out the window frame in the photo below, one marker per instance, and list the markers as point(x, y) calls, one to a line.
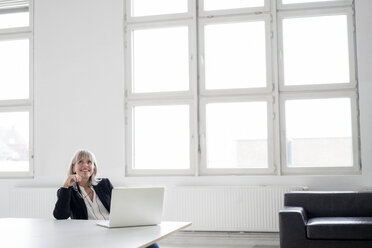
point(274, 93)
point(128, 60)
point(162, 17)
point(17, 105)
point(318, 13)
point(270, 133)
point(282, 6)
point(22, 36)
point(161, 98)
point(129, 170)
point(355, 169)
point(235, 11)
point(13, 109)
point(236, 19)
point(17, 30)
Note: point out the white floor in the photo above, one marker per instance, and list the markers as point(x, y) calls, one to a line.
point(187, 239)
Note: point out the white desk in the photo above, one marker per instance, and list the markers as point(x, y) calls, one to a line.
point(42, 233)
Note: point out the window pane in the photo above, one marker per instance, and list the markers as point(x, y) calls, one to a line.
point(14, 69)
point(14, 20)
point(158, 7)
point(14, 141)
point(306, 1)
point(160, 60)
point(161, 137)
point(316, 50)
point(231, 4)
point(235, 55)
point(236, 135)
point(319, 133)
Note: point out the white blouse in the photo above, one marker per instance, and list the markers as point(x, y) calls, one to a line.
point(96, 210)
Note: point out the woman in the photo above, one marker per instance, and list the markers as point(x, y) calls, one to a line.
point(82, 195)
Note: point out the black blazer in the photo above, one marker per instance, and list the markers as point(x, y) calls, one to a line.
point(69, 204)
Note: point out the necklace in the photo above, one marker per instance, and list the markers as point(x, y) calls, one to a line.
point(87, 194)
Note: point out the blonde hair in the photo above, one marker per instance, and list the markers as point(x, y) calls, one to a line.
point(84, 154)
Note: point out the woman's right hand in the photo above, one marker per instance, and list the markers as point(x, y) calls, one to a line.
point(71, 180)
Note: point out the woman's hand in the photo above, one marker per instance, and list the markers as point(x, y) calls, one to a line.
point(71, 180)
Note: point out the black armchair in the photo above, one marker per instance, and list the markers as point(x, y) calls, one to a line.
point(326, 220)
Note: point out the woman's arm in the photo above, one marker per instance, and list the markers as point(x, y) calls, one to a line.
point(62, 209)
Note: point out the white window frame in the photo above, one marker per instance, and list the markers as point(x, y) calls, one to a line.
point(274, 93)
point(236, 19)
point(165, 17)
point(13, 109)
point(283, 6)
point(192, 60)
point(130, 171)
point(21, 36)
point(319, 91)
point(318, 13)
point(355, 169)
point(17, 30)
point(251, 10)
point(270, 132)
point(237, 95)
point(161, 98)
point(18, 105)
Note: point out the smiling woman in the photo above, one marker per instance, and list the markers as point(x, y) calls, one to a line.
point(82, 196)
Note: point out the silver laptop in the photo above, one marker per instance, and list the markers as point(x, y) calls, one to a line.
point(135, 207)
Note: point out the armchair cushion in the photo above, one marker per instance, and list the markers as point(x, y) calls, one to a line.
point(340, 228)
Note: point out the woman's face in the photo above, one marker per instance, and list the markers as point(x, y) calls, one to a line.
point(84, 167)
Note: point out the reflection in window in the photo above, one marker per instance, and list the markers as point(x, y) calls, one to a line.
point(14, 141)
point(236, 135)
point(319, 132)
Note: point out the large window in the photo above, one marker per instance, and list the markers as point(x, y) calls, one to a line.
point(240, 87)
point(15, 88)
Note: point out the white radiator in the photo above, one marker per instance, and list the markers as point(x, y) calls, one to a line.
point(209, 208)
point(32, 202)
point(227, 208)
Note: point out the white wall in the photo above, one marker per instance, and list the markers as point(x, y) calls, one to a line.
point(79, 85)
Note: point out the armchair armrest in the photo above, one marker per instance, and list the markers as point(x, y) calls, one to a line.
point(292, 225)
point(295, 211)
